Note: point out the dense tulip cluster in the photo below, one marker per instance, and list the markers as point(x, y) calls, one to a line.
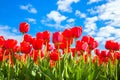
point(38, 58)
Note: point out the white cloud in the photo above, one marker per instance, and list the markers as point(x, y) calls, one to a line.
point(4, 28)
point(110, 11)
point(14, 30)
point(28, 8)
point(108, 32)
point(107, 15)
point(65, 5)
point(58, 19)
point(71, 20)
point(56, 16)
point(90, 25)
point(93, 1)
point(58, 26)
point(31, 20)
point(99, 38)
point(55, 19)
point(9, 33)
point(81, 15)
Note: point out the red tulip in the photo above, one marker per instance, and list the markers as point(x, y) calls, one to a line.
point(42, 54)
point(91, 42)
point(49, 47)
point(103, 53)
point(1, 54)
point(35, 54)
point(80, 45)
point(25, 47)
point(46, 36)
point(24, 27)
point(112, 45)
point(54, 55)
point(37, 43)
point(76, 31)
point(39, 35)
point(117, 55)
point(73, 51)
point(65, 43)
point(97, 52)
point(10, 43)
point(94, 45)
point(2, 41)
point(86, 39)
point(116, 46)
point(67, 33)
point(1, 50)
point(103, 57)
point(57, 38)
point(1, 57)
point(62, 46)
point(109, 54)
point(16, 49)
point(28, 38)
point(108, 43)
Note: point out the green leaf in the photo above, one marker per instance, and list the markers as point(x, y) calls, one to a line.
point(34, 73)
point(47, 73)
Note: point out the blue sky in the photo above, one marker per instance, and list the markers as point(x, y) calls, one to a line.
point(99, 18)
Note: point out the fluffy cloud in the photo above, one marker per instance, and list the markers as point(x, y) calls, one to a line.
point(90, 25)
point(71, 20)
point(56, 16)
point(9, 33)
point(108, 32)
point(65, 5)
point(81, 15)
point(55, 19)
point(28, 8)
point(110, 11)
point(107, 16)
point(93, 1)
point(31, 20)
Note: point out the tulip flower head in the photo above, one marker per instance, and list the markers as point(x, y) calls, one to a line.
point(25, 47)
point(24, 27)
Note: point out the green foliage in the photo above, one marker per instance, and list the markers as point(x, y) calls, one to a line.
point(68, 68)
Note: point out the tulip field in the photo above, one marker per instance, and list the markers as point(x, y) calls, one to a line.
point(55, 58)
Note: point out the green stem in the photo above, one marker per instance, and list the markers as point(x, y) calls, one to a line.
point(59, 65)
point(45, 51)
point(60, 76)
point(9, 68)
point(116, 78)
point(23, 36)
point(39, 52)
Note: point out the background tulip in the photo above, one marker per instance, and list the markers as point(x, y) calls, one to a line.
point(28, 38)
point(37, 43)
point(2, 41)
point(10, 43)
point(25, 47)
point(57, 38)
